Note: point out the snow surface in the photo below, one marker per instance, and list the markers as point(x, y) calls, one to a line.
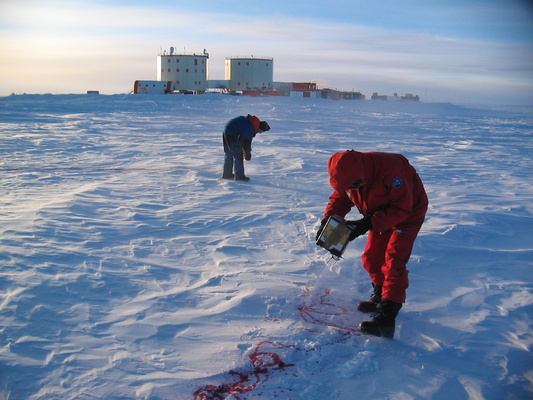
point(130, 270)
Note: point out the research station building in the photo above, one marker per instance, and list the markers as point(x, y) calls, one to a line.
point(246, 73)
point(187, 72)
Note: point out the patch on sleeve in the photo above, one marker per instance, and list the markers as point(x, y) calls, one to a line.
point(397, 183)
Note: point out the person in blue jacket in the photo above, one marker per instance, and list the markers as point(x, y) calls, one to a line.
point(237, 139)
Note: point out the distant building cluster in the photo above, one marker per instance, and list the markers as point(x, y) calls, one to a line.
point(395, 97)
point(250, 76)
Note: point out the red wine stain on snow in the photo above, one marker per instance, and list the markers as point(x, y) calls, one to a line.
point(324, 312)
point(330, 313)
point(263, 363)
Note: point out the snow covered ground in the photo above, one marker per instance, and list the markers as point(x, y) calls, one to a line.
point(130, 270)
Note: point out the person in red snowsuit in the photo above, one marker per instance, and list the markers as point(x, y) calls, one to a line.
point(390, 195)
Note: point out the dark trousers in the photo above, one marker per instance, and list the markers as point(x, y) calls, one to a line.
point(233, 157)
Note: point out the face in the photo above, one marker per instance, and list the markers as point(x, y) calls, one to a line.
point(354, 186)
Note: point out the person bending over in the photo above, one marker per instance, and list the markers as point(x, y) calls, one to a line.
point(390, 195)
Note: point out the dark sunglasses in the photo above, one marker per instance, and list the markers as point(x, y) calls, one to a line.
point(356, 184)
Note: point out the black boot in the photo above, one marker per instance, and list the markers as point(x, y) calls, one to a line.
point(371, 306)
point(384, 321)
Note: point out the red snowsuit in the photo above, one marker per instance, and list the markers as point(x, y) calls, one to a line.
point(393, 196)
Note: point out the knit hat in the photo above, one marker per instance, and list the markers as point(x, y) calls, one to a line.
point(263, 126)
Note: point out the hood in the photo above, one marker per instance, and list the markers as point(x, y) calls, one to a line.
point(344, 168)
point(255, 122)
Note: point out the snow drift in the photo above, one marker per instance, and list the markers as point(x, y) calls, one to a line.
point(130, 270)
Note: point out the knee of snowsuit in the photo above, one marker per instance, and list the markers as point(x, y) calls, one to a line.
point(385, 259)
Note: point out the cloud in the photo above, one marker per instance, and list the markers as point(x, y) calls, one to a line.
point(47, 45)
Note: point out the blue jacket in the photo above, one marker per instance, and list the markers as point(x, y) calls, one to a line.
point(242, 129)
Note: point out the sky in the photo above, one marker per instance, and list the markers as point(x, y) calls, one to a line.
point(475, 51)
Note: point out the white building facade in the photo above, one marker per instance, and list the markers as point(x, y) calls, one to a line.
point(249, 73)
point(187, 72)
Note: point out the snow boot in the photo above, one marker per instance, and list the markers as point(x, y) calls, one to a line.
point(228, 176)
point(371, 306)
point(383, 322)
point(242, 178)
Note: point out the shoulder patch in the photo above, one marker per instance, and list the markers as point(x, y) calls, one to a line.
point(397, 183)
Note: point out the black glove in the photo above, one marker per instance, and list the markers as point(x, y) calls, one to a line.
point(322, 223)
point(360, 226)
point(247, 156)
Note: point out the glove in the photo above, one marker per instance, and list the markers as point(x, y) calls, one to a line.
point(322, 223)
point(360, 226)
point(247, 156)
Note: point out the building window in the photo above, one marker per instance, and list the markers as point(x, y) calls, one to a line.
point(238, 84)
point(169, 70)
point(247, 63)
point(195, 61)
point(187, 70)
point(239, 63)
point(177, 70)
point(177, 60)
point(168, 59)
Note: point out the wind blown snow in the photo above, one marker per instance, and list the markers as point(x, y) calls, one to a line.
point(130, 270)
